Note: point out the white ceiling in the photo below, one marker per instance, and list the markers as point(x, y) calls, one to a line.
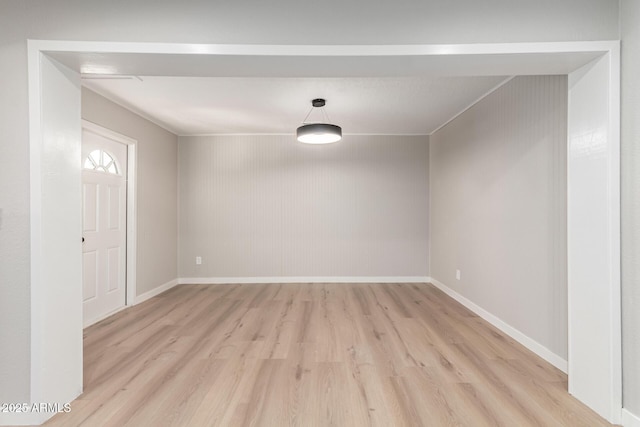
point(378, 92)
point(227, 105)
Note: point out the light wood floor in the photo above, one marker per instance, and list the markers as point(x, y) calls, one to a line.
point(313, 355)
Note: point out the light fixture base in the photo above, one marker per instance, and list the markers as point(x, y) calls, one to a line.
point(318, 102)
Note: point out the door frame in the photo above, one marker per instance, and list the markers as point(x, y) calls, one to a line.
point(132, 200)
point(606, 229)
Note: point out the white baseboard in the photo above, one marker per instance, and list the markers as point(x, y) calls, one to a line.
point(305, 279)
point(629, 419)
point(155, 291)
point(523, 339)
point(141, 298)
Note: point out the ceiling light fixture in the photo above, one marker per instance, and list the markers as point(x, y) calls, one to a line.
point(318, 133)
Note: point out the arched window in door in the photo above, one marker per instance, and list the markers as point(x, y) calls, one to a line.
point(101, 161)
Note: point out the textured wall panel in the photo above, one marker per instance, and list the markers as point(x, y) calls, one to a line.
point(268, 206)
point(498, 197)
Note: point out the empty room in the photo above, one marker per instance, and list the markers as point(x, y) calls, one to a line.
point(411, 215)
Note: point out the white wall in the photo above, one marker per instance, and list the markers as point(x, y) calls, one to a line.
point(443, 21)
point(56, 285)
point(15, 281)
point(157, 163)
point(268, 206)
point(630, 209)
point(287, 21)
point(498, 207)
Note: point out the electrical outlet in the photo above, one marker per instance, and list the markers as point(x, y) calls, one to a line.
point(198, 260)
point(458, 274)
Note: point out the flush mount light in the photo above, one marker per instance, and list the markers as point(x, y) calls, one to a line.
point(318, 133)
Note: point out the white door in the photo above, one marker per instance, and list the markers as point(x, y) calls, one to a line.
point(104, 213)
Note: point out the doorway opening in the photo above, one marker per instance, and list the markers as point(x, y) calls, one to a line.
point(593, 144)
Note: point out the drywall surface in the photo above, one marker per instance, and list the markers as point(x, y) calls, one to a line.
point(15, 294)
point(288, 21)
point(498, 207)
point(630, 209)
point(269, 206)
point(157, 179)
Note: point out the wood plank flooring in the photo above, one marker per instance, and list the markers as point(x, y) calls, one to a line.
point(313, 355)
